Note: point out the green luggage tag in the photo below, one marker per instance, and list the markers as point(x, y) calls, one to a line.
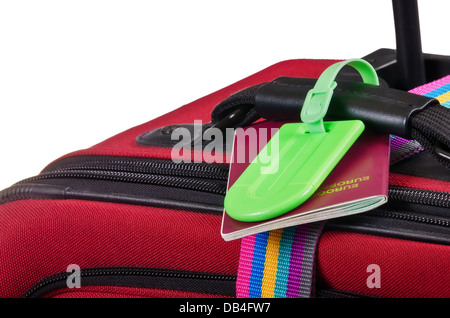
point(306, 153)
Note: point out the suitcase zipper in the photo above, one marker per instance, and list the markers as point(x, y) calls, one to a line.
point(425, 197)
point(129, 177)
point(412, 214)
point(423, 219)
point(141, 165)
point(144, 181)
point(208, 283)
point(203, 178)
point(196, 176)
point(97, 276)
point(210, 177)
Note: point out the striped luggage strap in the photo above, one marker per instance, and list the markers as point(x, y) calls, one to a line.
point(440, 89)
point(280, 263)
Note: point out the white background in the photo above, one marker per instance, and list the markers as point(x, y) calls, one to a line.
point(73, 73)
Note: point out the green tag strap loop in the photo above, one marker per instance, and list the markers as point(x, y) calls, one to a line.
point(318, 98)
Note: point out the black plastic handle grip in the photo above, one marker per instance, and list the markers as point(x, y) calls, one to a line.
point(382, 109)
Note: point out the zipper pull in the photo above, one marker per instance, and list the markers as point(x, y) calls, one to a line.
point(301, 154)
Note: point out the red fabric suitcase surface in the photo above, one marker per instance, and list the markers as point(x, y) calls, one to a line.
point(147, 242)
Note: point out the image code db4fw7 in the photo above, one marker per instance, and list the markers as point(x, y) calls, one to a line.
point(226, 307)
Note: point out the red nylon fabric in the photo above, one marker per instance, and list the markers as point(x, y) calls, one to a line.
point(39, 238)
point(124, 292)
point(406, 181)
point(408, 269)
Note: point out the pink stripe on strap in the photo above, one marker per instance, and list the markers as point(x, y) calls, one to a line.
point(422, 90)
point(245, 266)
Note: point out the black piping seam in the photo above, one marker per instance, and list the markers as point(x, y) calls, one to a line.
point(50, 192)
point(140, 277)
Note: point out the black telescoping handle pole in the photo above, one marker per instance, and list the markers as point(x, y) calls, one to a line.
point(410, 60)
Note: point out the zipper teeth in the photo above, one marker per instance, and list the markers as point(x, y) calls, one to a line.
point(47, 281)
point(425, 197)
point(410, 217)
point(158, 166)
point(163, 180)
point(126, 272)
point(153, 273)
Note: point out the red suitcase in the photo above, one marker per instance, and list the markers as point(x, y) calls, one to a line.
point(121, 219)
point(138, 226)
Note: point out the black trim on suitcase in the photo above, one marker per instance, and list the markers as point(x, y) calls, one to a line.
point(179, 280)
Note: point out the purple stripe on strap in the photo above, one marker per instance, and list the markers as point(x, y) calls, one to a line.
point(295, 267)
point(397, 142)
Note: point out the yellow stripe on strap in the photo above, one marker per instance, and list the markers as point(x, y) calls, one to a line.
point(443, 98)
point(270, 264)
